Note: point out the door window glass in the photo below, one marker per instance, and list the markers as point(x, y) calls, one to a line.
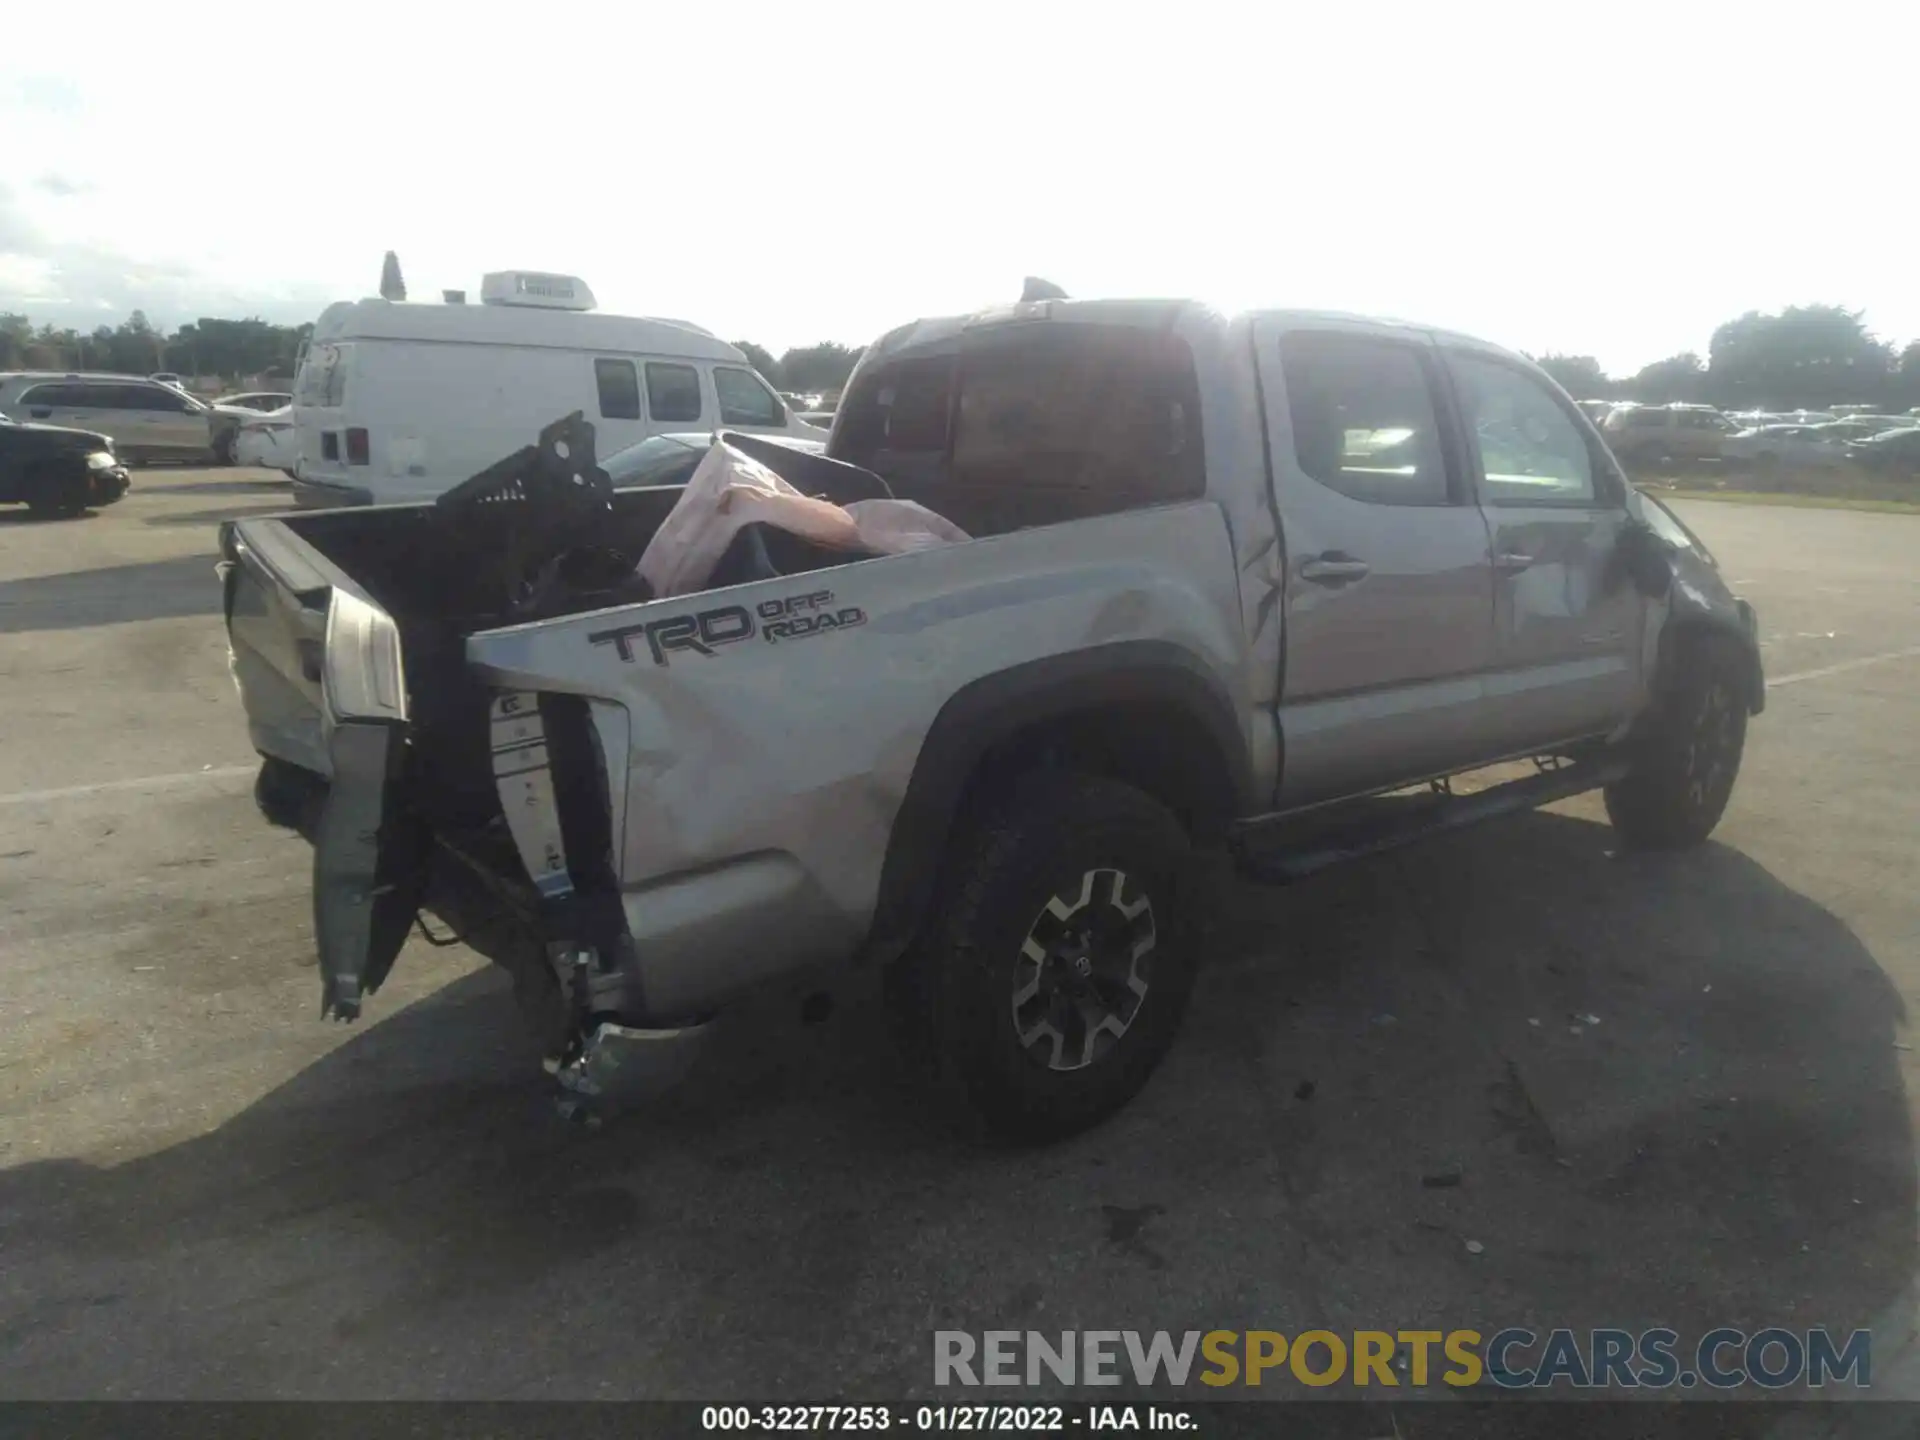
point(1530, 449)
point(673, 392)
point(1363, 418)
point(156, 398)
point(744, 400)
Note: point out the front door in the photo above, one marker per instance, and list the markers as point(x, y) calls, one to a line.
point(1389, 591)
point(175, 423)
point(1568, 619)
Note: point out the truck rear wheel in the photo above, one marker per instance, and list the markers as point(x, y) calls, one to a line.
point(1055, 974)
point(1685, 763)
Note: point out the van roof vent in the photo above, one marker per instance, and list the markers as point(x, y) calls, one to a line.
point(534, 289)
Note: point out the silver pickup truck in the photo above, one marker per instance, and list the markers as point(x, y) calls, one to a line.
point(1262, 582)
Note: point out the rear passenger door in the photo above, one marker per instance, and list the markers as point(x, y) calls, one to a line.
point(54, 403)
point(1389, 586)
point(1568, 622)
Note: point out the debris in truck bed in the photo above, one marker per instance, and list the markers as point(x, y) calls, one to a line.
point(731, 490)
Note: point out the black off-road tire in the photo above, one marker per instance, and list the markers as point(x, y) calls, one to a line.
point(1097, 847)
point(1686, 759)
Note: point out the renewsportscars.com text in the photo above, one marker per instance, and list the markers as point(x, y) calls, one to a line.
point(1511, 1358)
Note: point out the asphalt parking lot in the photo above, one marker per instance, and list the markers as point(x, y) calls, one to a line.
point(205, 1191)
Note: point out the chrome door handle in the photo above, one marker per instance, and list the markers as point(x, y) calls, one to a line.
point(1511, 562)
point(1334, 570)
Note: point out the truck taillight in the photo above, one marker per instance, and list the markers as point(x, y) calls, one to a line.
point(357, 451)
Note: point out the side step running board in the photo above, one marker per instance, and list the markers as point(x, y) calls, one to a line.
point(1289, 848)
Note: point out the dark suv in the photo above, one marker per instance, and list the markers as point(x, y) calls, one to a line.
point(56, 471)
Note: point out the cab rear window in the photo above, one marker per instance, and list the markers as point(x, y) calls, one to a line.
point(1079, 407)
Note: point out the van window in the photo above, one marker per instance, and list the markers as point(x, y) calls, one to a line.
point(1364, 421)
point(744, 400)
point(673, 392)
point(619, 389)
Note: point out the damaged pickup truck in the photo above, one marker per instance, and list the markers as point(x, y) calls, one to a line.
point(1261, 582)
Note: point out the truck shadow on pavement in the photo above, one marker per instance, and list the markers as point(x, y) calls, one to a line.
point(1652, 1090)
point(113, 595)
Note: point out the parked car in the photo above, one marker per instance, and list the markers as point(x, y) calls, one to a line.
point(385, 402)
point(982, 768)
point(226, 415)
point(671, 459)
point(1892, 451)
point(56, 471)
point(1785, 447)
point(146, 419)
point(1678, 432)
point(265, 440)
point(1865, 427)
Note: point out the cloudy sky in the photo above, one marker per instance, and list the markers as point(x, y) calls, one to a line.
point(1611, 180)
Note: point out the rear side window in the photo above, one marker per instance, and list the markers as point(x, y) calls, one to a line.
point(673, 392)
point(619, 385)
point(1364, 422)
point(744, 400)
point(1530, 449)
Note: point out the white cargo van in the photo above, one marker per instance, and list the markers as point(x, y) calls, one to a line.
point(400, 402)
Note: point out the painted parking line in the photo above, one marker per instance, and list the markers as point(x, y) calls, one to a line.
point(141, 782)
point(1842, 666)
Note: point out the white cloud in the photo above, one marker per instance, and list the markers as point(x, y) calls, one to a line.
point(1614, 183)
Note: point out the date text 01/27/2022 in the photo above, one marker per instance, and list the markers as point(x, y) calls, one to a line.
point(978, 1419)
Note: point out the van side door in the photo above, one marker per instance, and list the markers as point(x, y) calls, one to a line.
point(1389, 586)
point(1569, 622)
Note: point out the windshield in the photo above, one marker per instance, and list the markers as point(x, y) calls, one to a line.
point(657, 460)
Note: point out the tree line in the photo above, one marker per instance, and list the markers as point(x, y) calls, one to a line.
point(1807, 355)
point(1810, 356)
point(809, 370)
point(229, 348)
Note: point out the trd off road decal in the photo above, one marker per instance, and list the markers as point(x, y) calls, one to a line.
point(704, 631)
point(801, 615)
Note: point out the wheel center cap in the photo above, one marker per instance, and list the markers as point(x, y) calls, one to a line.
point(1082, 966)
